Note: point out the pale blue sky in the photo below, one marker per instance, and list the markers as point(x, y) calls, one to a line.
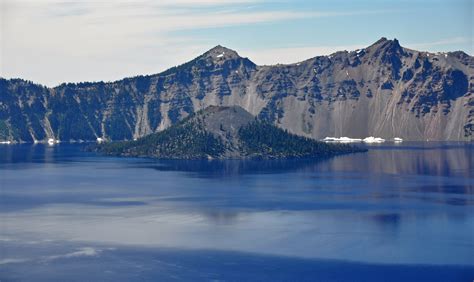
point(434, 25)
point(52, 41)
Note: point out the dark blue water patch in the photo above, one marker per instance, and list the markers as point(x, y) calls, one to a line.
point(443, 189)
point(140, 264)
point(41, 153)
point(229, 168)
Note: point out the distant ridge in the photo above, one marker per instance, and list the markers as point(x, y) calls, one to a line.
point(383, 90)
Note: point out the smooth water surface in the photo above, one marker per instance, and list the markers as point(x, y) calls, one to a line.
point(398, 212)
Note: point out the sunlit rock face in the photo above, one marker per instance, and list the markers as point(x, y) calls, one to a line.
point(383, 90)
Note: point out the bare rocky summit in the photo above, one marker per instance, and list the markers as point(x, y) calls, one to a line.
point(384, 90)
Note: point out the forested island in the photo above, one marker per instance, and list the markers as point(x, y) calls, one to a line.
point(224, 133)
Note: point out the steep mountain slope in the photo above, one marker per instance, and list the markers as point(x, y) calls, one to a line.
point(224, 132)
point(384, 90)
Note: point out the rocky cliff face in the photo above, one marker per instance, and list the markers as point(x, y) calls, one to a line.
point(383, 90)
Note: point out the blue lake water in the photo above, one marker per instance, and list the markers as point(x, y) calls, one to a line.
point(398, 212)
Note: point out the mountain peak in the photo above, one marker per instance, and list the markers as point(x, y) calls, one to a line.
point(385, 39)
point(384, 42)
point(381, 40)
point(384, 47)
point(221, 52)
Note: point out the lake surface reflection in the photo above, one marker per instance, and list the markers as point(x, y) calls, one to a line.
point(406, 210)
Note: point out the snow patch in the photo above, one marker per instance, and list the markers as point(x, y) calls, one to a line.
point(6, 142)
point(52, 141)
point(220, 55)
point(372, 139)
point(397, 139)
point(341, 139)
